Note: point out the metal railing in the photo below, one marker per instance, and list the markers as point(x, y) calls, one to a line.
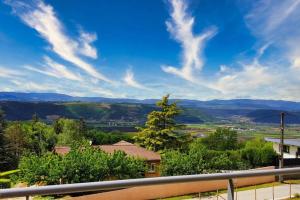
point(121, 184)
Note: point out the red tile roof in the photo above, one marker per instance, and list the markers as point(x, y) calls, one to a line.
point(128, 148)
point(62, 150)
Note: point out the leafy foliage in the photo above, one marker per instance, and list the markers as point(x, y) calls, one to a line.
point(219, 151)
point(71, 131)
point(199, 159)
point(99, 137)
point(81, 164)
point(161, 130)
point(258, 153)
point(222, 139)
point(4, 157)
point(5, 180)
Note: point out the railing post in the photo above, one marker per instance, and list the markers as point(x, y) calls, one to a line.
point(230, 190)
point(255, 192)
point(273, 195)
point(290, 190)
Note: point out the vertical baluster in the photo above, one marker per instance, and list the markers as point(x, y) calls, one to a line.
point(230, 190)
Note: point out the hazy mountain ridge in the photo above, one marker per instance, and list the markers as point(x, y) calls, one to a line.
point(224, 104)
point(21, 106)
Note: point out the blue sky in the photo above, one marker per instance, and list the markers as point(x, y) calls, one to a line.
point(193, 49)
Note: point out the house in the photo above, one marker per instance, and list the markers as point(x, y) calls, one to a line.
point(291, 147)
point(152, 158)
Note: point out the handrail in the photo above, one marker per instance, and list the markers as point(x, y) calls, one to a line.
point(120, 184)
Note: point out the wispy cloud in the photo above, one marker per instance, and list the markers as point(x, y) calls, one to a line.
point(267, 16)
point(180, 27)
point(68, 87)
point(9, 73)
point(42, 17)
point(277, 22)
point(55, 69)
point(130, 80)
point(31, 86)
point(247, 81)
point(86, 48)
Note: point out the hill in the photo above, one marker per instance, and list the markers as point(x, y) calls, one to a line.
point(249, 104)
point(93, 112)
point(48, 106)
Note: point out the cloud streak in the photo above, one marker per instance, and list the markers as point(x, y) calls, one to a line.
point(42, 18)
point(56, 70)
point(130, 80)
point(9, 73)
point(180, 26)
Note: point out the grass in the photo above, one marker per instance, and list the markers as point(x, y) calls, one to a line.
point(180, 197)
point(247, 131)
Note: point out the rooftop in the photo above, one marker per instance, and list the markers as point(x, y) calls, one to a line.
point(62, 150)
point(132, 150)
point(129, 148)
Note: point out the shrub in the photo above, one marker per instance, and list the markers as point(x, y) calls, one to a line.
point(258, 153)
point(81, 164)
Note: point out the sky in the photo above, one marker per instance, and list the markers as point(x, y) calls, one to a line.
point(190, 49)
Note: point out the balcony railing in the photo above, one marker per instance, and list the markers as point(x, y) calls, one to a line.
point(122, 184)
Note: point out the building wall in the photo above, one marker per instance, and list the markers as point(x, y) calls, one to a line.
point(292, 154)
point(156, 173)
point(178, 189)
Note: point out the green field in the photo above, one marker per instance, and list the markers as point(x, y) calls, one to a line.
point(246, 131)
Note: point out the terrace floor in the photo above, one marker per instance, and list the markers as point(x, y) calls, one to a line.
point(280, 192)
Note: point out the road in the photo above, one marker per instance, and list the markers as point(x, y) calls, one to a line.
point(280, 192)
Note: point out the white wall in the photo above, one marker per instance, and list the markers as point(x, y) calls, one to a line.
point(292, 154)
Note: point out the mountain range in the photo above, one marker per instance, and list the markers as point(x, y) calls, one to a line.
point(21, 106)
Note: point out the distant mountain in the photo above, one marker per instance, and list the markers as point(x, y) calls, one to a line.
point(250, 104)
point(93, 112)
point(272, 116)
point(21, 106)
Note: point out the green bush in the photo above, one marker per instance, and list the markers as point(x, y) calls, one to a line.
point(98, 137)
point(258, 153)
point(199, 159)
point(221, 140)
point(81, 164)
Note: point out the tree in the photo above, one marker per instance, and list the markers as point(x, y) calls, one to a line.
point(58, 126)
point(258, 153)
point(70, 133)
point(82, 126)
point(35, 118)
point(99, 137)
point(40, 137)
point(199, 159)
point(16, 140)
point(4, 152)
point(81, 164)
point(222, 139)
point(161, 130)
point(2, 142)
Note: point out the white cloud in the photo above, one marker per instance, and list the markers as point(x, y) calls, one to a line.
point(85, 44)
point(30, 86)
point(44, 20)
point(55, 69)
point(250, 79)
point(9, 73)
point(266, 17)
point(277, 22)
point(70, 88)
point(181, 28)
point(130, 80)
